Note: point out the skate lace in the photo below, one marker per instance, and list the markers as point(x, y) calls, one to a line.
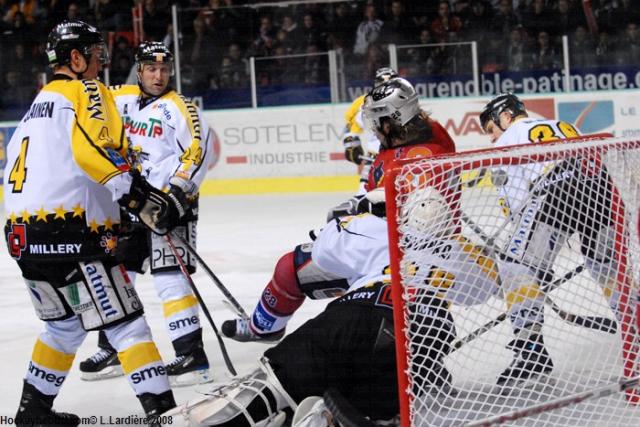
point(175, 362)
point(100, 356)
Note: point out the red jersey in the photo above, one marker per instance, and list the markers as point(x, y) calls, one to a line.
point(439, 143)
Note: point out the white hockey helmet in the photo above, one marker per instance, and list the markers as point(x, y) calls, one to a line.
point(395, 100)
point(426, 215)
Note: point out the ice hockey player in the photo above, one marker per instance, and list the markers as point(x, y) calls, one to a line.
point(360, 143)
point(172, 142)
point(350, 346)
point(545, 209)
point(410, 133)
point(392, 111)
point(66, 169)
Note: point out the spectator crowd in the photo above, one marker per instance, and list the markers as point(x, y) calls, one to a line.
point(216, 37)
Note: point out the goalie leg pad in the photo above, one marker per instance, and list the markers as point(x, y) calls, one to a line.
point(100, 293)
point(313, 281)
point(162, 257)
point(253, 400)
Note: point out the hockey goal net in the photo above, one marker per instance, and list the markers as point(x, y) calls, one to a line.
point(455, 332)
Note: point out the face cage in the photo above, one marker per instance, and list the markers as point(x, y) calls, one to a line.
point(172, 70)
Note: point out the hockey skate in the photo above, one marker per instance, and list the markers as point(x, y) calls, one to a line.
point(155, 405)
point(35, 410)
point(240, 330)
point(102, 365)
point(189, 369)
point(532, 360)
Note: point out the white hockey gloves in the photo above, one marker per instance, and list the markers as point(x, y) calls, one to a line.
point(158, 210)
point(372, 202)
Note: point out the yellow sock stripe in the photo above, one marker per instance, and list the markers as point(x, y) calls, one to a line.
point(523, 293)
point(294, 184)
point(138, 355)
point(172, 307)
point(51, 358)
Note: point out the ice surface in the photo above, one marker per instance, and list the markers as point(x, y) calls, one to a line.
point(240, 237)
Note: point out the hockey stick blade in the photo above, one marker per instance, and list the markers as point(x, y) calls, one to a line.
point(602, 324)
point(237, 308)
point(598, 323)
point(605, 325)
point(606, 390)
point(205, 310)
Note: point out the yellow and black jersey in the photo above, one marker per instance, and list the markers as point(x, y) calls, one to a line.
point(64, 163)
point(169, 134)
point(353, 116)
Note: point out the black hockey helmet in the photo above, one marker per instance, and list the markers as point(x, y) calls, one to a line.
point(504, 102)
point(69, 35)
point(383, 75)
point(152, 52)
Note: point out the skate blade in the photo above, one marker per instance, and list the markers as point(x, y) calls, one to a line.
point(106, 373)
point(201, 376)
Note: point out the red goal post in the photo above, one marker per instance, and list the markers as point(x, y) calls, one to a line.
point(464, 181)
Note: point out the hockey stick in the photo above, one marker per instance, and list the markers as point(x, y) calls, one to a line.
point(234, 305)
point(603, 324)
point(205, 310)
point(343, 411)
point(596, 393)
point(494, 322)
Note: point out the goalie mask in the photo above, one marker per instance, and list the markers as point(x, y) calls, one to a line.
point(388, 108)
point(70, 35)
point(504, 102)
point(426, 216)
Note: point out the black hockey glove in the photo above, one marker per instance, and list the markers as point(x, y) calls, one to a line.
point(353, 151)
point(159, 211)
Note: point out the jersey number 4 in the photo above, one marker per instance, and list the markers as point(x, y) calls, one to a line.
point(18, 174)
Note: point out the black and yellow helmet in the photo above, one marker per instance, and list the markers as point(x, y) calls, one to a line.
point(153, 52)
point(69, 35)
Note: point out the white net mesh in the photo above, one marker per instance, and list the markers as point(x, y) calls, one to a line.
point(518, 280)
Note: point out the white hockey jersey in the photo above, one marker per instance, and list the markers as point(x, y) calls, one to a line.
point(357, 249)
point(521, 177)
point(65, 165)
point(169, 134)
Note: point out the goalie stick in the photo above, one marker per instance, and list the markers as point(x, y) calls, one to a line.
point(231, 302)
point(599, 323)
point(606, 390)
point(205, 310)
